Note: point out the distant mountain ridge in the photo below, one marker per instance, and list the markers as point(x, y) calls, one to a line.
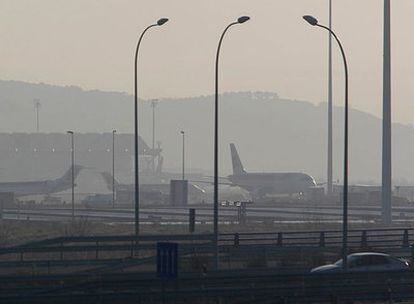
point(271, 133)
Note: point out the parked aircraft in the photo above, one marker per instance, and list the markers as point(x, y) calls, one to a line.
point(41, 187)
point(151, 192)
point(260, 185)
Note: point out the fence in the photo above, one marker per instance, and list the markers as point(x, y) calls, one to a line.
point(127, 250)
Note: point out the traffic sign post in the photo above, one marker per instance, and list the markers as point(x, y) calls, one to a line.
point(167, 260)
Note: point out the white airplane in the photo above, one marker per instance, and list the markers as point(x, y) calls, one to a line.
point(41, 187)
point(151, 191)
point(260, 185)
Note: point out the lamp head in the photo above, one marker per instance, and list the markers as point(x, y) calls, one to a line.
point(182, 132)
point(311, 20)
point(162, 21)
point(243, 19)
point(69, 132)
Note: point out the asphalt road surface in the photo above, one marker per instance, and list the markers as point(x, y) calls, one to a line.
point(205, 213)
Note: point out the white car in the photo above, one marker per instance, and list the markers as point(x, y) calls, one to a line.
point(365, 261)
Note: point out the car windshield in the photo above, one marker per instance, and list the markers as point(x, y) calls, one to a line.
point(338, 263)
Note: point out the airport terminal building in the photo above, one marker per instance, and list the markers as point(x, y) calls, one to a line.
point(36, 156)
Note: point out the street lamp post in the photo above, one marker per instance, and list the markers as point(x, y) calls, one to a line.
point(113, 168)
point(183, 161)
point(73, 173)
point(314, 22)
point(37, 105)
point(159, 23)
point(240, 20)
point(386, 196)
point(330, 106)
point(153, 106)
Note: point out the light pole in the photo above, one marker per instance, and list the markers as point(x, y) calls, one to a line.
point(183, 135)
point(153, 106)
point(113, 168)
point(159, 23)
point(313, 21)
point(37, 107)
point(73, 173)
point(386, 190)
point(240, 20)
point(330, 106)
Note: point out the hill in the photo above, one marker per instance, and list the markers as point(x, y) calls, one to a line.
point(271, 133)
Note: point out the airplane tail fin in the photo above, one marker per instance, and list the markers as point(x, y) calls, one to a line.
point(108, 180)
point(235, 159)
point(67, 177)
point(65, 181)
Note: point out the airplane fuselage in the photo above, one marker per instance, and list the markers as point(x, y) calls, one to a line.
point(261, 184)
point(25, 188)
point(40, 187)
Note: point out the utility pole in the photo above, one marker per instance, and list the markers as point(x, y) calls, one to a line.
point(386, 119)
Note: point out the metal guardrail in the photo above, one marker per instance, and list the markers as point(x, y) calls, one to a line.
point(103, 243)
point(361, 238)
point(99, 249)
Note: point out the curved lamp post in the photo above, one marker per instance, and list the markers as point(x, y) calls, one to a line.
point(240, 20)
point(314, 22)
point(159, 23)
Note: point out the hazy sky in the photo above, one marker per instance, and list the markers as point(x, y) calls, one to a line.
point(90, 43)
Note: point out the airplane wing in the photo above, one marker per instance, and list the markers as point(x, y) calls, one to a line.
point(210, 182)
point(220, 177)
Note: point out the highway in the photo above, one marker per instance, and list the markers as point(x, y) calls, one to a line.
point(204, 213)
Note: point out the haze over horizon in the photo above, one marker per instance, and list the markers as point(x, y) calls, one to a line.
point(28, 103)
point(272, 133)
point(91, 43)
